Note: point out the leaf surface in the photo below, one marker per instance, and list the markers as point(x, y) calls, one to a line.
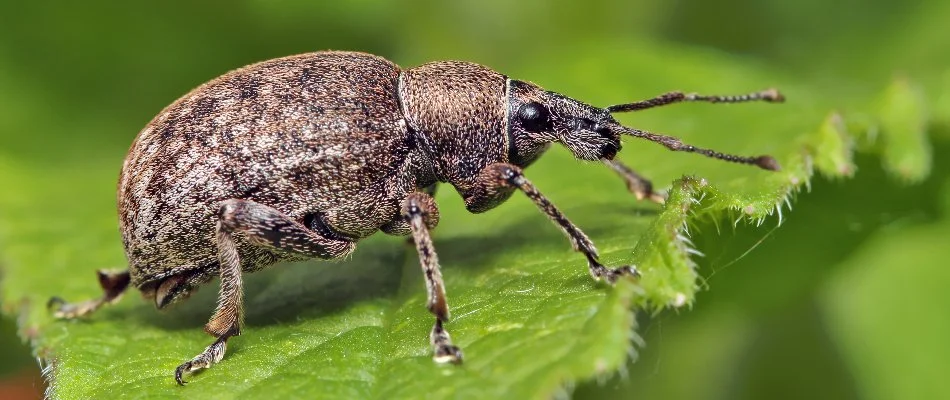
point(527, 314)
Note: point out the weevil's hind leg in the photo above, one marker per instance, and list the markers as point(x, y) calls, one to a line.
point(421, 214)
point(262, 226)
point(113, 283)
point(496, 180)
point(641, 187)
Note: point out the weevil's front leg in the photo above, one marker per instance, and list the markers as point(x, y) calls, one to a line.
point(636, 183)
point(262, 226)
point(113, 283)
point(495, 177)
point(421, 214)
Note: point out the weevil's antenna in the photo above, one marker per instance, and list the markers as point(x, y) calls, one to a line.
point(672, 143)
point(768, 95)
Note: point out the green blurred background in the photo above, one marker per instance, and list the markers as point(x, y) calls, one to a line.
point(78, 79)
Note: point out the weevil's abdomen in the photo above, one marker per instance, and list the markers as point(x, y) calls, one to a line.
point(319, 133)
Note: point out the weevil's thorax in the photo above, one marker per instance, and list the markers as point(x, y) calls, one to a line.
point(458, 112)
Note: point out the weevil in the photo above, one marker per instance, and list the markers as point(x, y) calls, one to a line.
point(301, 157)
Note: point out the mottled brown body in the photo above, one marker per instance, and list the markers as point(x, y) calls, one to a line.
point(320, 135)
point(303, 156)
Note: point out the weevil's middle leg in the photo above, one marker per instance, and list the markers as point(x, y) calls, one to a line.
point(263, 226)
point(113, 283)
point(636, 183)
point(421, 214)
point(429, 190)
point(497, 176)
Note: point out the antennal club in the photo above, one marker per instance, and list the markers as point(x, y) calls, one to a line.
point(768, 95)
point(674, 144)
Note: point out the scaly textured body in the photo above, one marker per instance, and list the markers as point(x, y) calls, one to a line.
point(318, 134)
point(303, 156)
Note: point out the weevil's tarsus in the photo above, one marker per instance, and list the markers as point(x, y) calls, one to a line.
point(263, 226)
point(420, 212)
point(609, 275)
point(768, 95)
point(511, 176)
point(211, 355)
point(444, 351)
point(641, 187)
point(113, 283)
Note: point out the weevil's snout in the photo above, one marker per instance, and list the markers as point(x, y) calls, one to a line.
point(592, 139)
point(589, 132)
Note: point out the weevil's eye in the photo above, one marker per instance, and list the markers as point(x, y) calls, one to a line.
point(534, 117)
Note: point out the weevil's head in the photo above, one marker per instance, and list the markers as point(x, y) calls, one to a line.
point(467, 116)
point(537, 117)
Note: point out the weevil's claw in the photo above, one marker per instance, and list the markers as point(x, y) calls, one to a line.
point(190, 366)
point(55, 302)
point(447, 354)
point(179, 371)
point(113, 283)
point(444, 352)
point(211, 355)
point(612, 275)
point(658, 198)
point(64, 310)
point(58, 307)
point(648, 194)
point(631, 270)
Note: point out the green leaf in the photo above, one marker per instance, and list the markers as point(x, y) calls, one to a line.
point(845, 297)
point(903, 120)
point(880, 309)
point(527, 314)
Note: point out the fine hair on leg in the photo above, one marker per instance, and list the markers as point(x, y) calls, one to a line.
point(421, 213)
point(262, 226)
point(114, 284)
point(502, 174)
point(641, 187)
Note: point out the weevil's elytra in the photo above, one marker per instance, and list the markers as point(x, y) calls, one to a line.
point(301, 157)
